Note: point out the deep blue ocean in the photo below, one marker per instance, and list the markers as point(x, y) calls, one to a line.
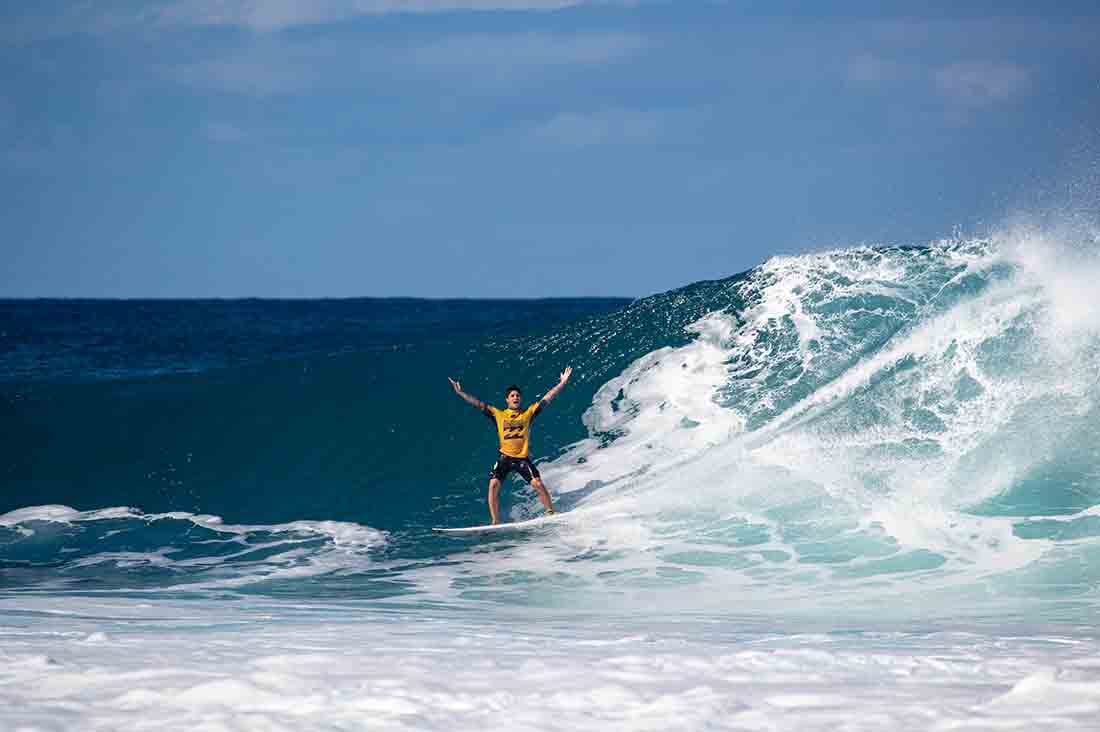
point(856, 489)
point(830, 427)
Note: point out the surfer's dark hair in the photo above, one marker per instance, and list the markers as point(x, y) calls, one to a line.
point(512, 388)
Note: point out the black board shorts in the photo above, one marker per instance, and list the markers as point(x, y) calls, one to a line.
point(505, 464)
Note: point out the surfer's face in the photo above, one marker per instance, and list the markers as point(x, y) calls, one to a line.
point(513, 399)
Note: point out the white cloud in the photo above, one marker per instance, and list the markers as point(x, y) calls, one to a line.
point(965, 87)
point(617, 127)
point(254, 14)
point(280, 65)
point(981, 84)
point(259, 71)
point(29, 22)
point(869, 68)
point(271, 15)
point(984, 36)
point(509, 54)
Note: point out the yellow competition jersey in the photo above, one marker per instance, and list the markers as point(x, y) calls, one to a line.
point(514, 428)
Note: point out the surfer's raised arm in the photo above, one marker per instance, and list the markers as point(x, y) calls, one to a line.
point(513, 427)
point(473, 401)
point(561, 383)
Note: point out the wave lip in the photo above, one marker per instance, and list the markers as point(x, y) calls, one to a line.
point(892, 429)
point(121, 549)
point(876, 429)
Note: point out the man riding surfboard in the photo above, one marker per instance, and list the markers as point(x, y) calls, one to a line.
point(514, 431)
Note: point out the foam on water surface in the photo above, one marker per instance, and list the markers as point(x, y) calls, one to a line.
point(851, 443)
point(848, 490)
point(214, 666)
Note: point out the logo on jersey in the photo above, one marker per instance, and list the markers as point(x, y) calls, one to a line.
point(513, 430)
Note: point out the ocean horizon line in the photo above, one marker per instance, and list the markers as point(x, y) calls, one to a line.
point(341, 298)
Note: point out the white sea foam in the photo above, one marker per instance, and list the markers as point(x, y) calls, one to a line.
point(759, 520)
point(235, 666)
point(291, 548)
point(787, 452)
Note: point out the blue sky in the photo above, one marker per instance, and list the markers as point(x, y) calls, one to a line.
point(496, 148)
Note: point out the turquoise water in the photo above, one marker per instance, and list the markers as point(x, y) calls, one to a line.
point(863, 432)
point(848, 490)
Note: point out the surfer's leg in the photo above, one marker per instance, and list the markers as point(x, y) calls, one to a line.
point(500, 471)
point(494, 499)
point(530, 473)
point(544, 495)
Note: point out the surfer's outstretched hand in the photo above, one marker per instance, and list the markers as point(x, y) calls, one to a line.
point(455, 385)
point(566, 374)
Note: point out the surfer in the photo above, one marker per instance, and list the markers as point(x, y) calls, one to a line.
point(514, 430)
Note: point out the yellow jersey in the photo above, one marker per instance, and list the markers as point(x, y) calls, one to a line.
point(514, 428)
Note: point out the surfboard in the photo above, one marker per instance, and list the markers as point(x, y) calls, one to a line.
point(501, 528)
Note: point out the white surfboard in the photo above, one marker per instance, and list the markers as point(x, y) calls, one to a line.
point(492, 528)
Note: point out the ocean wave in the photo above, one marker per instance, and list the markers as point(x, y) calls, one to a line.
point(55, 548)
point(859, 429)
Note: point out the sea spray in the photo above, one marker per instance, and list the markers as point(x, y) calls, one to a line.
point(901, 430)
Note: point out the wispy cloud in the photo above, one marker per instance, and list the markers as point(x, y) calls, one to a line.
point(622, 126)
point(869, 68)
point(255, 71)
point(967, 64)
point(964, 87)
point(31, 21)
point(980, 84)
point(273, 15)
point(506, 55)
point(267, 15)
point(278, 65)
point(984, 37)
point(618, 126)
